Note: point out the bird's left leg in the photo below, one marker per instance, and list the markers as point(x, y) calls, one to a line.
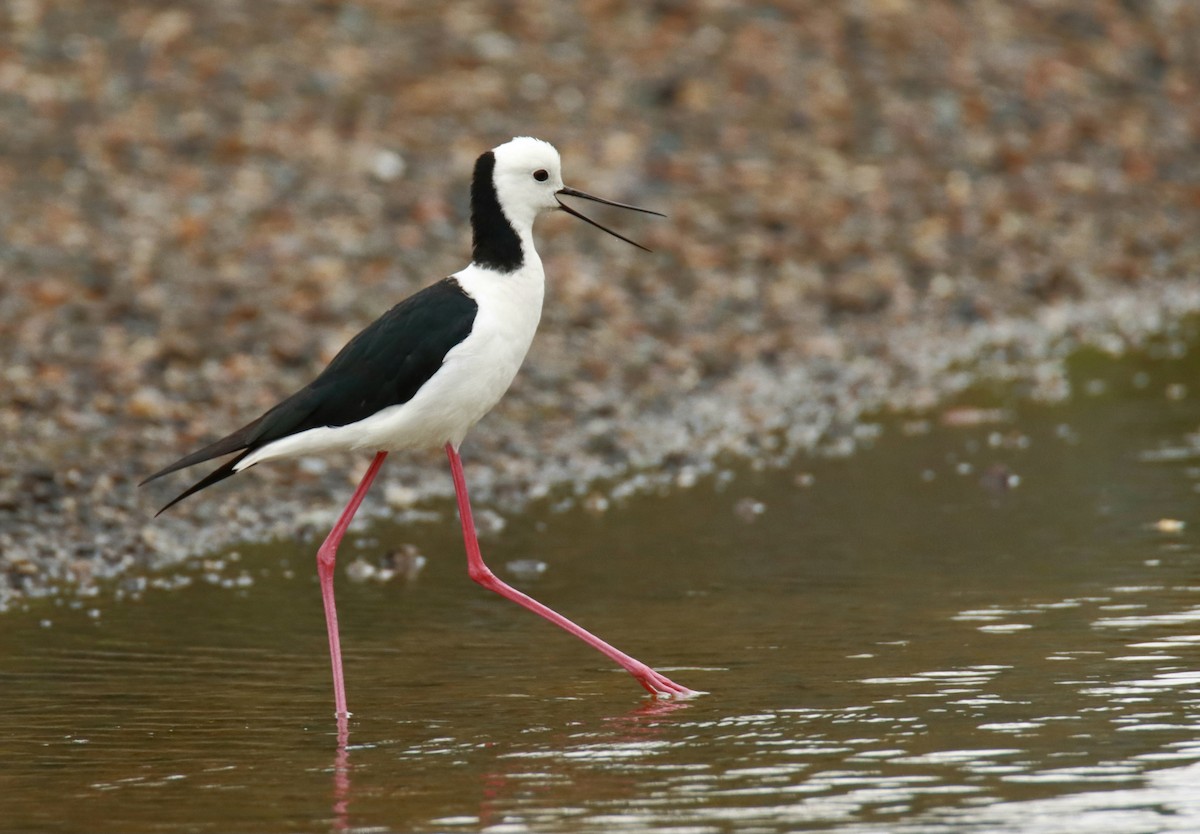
point(655, 683)
point(326, 559)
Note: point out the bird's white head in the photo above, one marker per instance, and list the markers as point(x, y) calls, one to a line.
point(526, 176)
point(512, 185)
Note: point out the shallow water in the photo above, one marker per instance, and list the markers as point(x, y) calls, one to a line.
point(894, 641)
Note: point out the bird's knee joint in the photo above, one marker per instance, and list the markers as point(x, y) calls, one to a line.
point(481, 574)
point(326, 559)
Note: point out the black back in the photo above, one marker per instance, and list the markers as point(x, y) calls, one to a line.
point(384, 365)
point(495, 244)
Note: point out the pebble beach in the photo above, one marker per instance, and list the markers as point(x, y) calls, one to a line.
point(871, 207)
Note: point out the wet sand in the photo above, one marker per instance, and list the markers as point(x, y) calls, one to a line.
point(868, 211)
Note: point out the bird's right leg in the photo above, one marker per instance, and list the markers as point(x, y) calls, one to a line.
point(656, 683)
point(326, 559)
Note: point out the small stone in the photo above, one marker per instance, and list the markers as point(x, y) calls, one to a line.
point(595, 503)
point(687, 477)
point(526, 569)
point(360, 570)
point(965, 416)
point(998, 479)
point(406, 562)
point(749, 509)
point(387, 166)
point(400, 496)
point(488, 521)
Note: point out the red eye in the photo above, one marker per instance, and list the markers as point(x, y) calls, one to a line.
point(541, 175)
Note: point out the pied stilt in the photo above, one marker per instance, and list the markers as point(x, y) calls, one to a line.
point(427, 370)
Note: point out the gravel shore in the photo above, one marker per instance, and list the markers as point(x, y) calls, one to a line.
point(871, 204)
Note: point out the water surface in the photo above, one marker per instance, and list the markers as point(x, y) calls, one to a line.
point(986, 626)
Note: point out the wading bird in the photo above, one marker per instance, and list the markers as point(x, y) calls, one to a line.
point(423, 373)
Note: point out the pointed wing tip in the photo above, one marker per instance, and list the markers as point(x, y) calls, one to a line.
point(182, 463)
point(175, 501)
point(219, 474)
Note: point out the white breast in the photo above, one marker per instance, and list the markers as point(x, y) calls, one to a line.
point(476, 373)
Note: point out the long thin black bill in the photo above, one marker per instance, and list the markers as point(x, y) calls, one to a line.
point(583, 195)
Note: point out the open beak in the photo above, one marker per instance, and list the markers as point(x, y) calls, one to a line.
point(583, 195)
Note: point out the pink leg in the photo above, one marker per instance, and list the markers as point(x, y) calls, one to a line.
point(654, 683)
point(326, 558)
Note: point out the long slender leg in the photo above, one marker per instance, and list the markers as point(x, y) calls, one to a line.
point(326, 559)
point(654, 683)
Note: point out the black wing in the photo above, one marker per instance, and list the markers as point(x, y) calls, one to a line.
point(384, 365)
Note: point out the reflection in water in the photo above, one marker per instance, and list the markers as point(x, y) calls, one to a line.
point(341, 775)
point(629, 737)
point(892, 647)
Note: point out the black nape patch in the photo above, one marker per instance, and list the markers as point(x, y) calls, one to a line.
point(495, 243)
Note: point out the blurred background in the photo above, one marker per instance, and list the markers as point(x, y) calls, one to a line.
point(200, 202)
